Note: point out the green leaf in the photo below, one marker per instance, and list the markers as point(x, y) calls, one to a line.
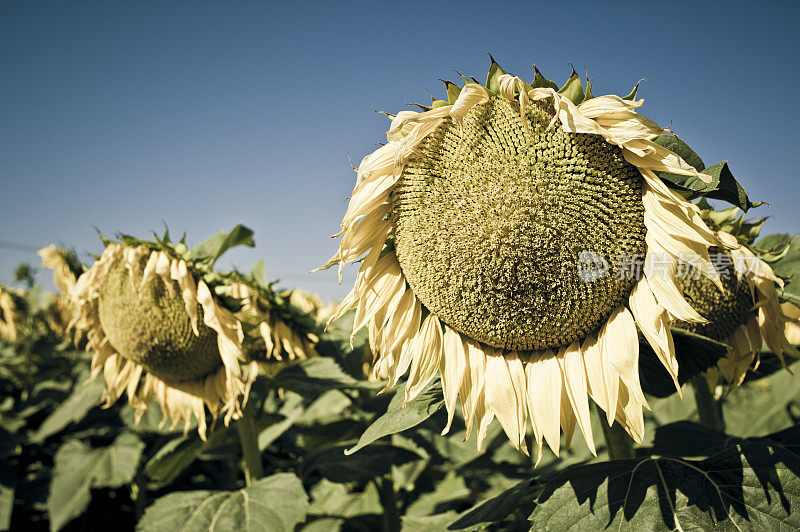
point(774, 243)
point(723, 185)
point(673, 143)
point(209, 251)
point(427, 523)
point(276, 503)
point(179, 453)
point(374, 461)
point(333, 499)
point(763, 406)
point(83, 398)
point(173, 458)
point(539, 81)
point(689, 439)
point(275, 429)
point(493, 77)
point(573, 88)
point(727, 188)
point(79, 468)
point(447, 493)
point(788, 266)
point(632, 95)
point(317, 375)
point(498, 507)
point(323, 524)
point(398, 418)
point(753, 486)
point(453, 91)
point(6, 506)
point(588, 96)
point(259, 271)
point(695, 354)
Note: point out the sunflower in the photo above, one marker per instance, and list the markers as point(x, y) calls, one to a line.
point(279, 330)
point(66, 270)
point(162, 324)
point(65, 265)
point(309, 303)
point(488, 227)
point(747, 312)
point(792, 329)
point(12, 312)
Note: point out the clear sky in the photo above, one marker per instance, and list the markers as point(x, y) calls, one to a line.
point(126, 116)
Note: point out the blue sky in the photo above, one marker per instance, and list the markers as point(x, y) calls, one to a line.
point(130, 115)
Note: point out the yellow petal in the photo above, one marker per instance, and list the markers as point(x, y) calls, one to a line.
point(426, 354)
point(505, 395)
point(452, 367)
point(573, 373)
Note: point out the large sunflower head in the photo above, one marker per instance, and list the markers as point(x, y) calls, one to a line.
point(162, 323)
point(512, 238)
point(746, 312)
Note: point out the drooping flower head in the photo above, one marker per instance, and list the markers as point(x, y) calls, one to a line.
point(66, 270)
point(163, 324)
point(12, 312)
point(747, 312)
point(499, 234)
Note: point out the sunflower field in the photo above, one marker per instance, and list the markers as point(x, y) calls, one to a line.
point(561, 319)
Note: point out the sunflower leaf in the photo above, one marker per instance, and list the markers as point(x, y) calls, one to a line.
point(723, 185)
point(673, 143)
point(209, 251)
point(695, 354)
point(498, 507)
point(751, 486)
point(259, 272)
point(398, 418)
point(788, 265)
point(173, 458)
point(84, 397)
point(727, 188)
point(333, 499)
point(377, 460)
point(573, 88)
point(539, 81)
point(769, 401)
point(690, 439)
point(79, 468)
point(277, 503)
point(493, 77)
point(588, 95)
point(317, 375)
point(632, 95)
point(7, 490)
point(453, 91)
point(428, 523)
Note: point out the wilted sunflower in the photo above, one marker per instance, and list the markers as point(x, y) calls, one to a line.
point(486, 227)
point(163, 324)
point(66, 270)
point(309, 303)
point(12, 312)
point(792, 329)
point(747, 312)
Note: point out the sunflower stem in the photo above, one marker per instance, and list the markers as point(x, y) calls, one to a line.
point(252, 457)
point(388, 498)
point(708, 408)
point(618, 442)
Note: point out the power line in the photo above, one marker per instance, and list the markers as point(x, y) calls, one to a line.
point(16, 246)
